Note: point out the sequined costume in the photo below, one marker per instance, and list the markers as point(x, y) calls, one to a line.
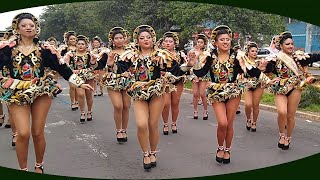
point(28, 78)
point(113, 80)
point(149, 76)
point(290, 71)
point(227, 78)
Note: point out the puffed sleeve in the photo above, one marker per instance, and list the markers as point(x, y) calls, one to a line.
point(51, 60)
point(312, 58)
point(202, 71)
point(5, 56)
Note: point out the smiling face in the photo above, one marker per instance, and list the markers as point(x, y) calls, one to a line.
point(223, 42)
point(287, 46)
point(145, 40)
point(72, 40)
point(27, 28)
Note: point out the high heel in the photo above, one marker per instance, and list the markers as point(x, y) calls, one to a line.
point(82, 120)
point(146, 165)
point(226, 161)
point(100, 94)
point(125, 138)
point(254, 126)
point(174, 130)
point(121, 139)
point(195, 114)
point(165, 126)
point(248, 124)
point(89, 116)
point(1, 119)
point(13, 141)
point(205, 115)
point(39, 166)
point(74, 106)
point(286, 147)
point(282, 136)
point(219, 159)
point(153, 163)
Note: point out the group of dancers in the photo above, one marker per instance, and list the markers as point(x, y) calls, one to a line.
point(149, 74)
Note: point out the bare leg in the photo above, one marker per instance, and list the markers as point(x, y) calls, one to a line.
point(39, 111)
point(21, 116)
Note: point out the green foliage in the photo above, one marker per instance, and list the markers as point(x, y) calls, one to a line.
point(267, 98)
point(98, 17)
point(310, 97)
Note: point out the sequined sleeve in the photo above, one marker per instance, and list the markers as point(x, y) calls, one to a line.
point(5, 54)
point(51, 60)
point(313, 58)
point(205, 69)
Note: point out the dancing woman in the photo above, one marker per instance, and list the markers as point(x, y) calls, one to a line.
point(70, 38)
point(199, 83)
point(148, 67)
point(29, 90)
point(253, 90)
point(290, 67)
point(117, 84)
point(172, 99)
point(84, 64)
point(226, 87)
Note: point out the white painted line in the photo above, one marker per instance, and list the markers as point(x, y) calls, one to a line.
point(88, 139)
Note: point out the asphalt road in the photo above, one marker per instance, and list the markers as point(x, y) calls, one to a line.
point(90, 150)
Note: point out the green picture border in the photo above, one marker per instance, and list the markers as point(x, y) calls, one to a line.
point(305, 10)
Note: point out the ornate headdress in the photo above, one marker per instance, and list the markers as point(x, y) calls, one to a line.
point(141, 28)
point(52, 39)
point(250, 45)
point(68, 34)
point(281, 37)
point(19, 17)
point(114, 31)
point(8, 33)
point(204, 37)
point(83, 38)
point(173, 35)
point(216, 30)
point(96, 38)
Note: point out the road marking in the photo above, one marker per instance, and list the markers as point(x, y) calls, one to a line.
point(88, 139)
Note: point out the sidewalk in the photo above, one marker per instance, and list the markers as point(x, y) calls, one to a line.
point(305, 115)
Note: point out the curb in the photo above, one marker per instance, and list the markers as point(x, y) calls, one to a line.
point(300, 114)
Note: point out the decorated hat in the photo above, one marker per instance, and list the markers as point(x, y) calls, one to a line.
point(250, 45)
point(281, 37)
point(142, 28)
point(83, 38)
point(173, 35)
point(114, 31)
point(19, 17)
point(216, 30)
point(204, 37)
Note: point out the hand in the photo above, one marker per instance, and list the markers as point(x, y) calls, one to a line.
point(111, 60)
point(274, 81)
point(86, 86)
point(263, 64)
point(76, 71)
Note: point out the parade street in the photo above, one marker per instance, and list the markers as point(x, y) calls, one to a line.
point(91, 150)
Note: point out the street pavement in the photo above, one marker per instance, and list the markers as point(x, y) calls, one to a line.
point(90, 150)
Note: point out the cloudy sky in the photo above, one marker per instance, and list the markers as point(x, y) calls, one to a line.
point(7, 17)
